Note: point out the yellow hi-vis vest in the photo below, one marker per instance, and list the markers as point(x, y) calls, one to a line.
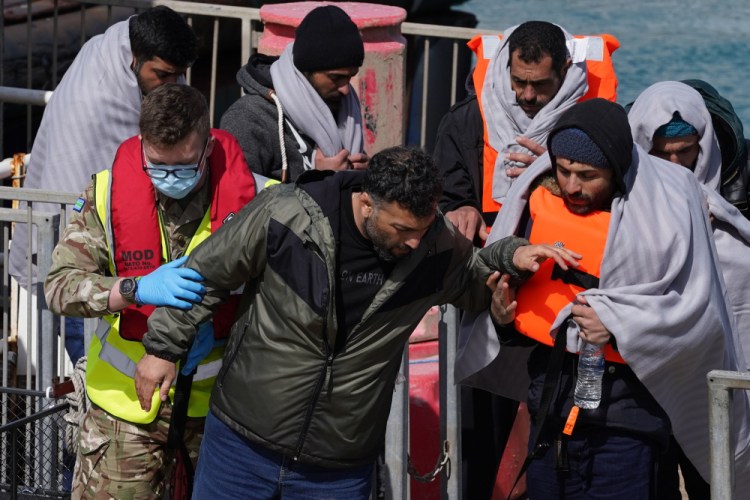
point(110, 369)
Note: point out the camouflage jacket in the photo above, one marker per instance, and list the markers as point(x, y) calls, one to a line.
point(79, 281)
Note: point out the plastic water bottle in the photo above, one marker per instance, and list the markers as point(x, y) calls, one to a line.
point(588, 391)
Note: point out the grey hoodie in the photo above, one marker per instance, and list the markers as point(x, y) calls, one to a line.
point(254, 120)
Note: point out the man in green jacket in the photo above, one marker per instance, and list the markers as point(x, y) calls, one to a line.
point(337, 269)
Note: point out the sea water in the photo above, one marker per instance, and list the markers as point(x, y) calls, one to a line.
point(659, 40)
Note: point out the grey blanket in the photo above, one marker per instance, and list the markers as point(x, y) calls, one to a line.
point(505, 118)
point(311, 115)
point(661, 295)
point(95, 107)
point(655, 107)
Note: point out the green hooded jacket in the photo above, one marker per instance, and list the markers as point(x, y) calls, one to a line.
point(284, 384)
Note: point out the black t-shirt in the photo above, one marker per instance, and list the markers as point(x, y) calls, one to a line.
point(361, 272)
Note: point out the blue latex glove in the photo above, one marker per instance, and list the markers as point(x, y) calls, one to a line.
point(202, 345)
point(171, 285)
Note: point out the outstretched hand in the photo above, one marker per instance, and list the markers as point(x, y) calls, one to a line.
point(528, 257)
point(151, 372)
point(503, 305)
point(171, 285)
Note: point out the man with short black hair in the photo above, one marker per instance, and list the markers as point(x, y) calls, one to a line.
point(648, 291)
point(529, 81)
point(517, 91)
point(121, 255)
point(95, 107)
point(337, 271)
point(299, 111)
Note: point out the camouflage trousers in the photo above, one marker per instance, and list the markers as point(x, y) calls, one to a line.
point(120, 460)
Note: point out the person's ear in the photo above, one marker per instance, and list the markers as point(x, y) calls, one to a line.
point(367, 206)
point(210, 145)
point(565, 67)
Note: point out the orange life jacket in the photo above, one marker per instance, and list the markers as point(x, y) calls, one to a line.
point(602, 83)
point(136, 248)
point(550, 289)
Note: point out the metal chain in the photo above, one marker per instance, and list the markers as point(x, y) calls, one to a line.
point(443, 462)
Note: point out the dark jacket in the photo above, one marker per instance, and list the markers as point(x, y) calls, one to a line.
point(735, 167)
point(282, 384)
point(254, 120)
point(458, 154)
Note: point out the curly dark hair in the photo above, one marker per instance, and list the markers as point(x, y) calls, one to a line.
point(163, 33)
point(536, 39)
point(407, 176)
point(170, 112)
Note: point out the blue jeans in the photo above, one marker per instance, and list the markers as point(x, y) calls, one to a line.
point(74, 339)
point(230, 466)
point(602, 464)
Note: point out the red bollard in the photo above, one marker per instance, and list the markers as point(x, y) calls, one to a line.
point(380, 82)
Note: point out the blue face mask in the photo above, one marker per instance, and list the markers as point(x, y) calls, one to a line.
point(175, 187)
point(175, 181)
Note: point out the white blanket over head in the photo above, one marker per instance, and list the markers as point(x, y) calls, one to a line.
point(653, 108)
point(505, 118)
point(95, 107)
point(660, 294)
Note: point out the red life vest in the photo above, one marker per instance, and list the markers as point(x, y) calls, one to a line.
point(601, 79)
point(550, 289)
point(136, 247)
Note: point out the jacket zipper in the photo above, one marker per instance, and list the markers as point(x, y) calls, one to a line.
point(314, 400)
point(233, 354)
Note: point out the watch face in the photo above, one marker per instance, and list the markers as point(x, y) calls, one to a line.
point(127, 286)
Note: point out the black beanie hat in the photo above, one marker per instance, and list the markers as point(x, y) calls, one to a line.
point(327, 38)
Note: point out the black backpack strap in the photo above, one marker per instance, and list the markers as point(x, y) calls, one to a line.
point(176, 434)
point(541, 419)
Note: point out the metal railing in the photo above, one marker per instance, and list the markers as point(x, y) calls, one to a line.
point(437, 61)
point(34, 462)
point(435, 87)
point(720, 385)
point(33, 354)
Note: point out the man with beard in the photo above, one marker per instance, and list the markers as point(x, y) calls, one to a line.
point(519, 88)
point(641, 228)
point(299, 111)
point(338, 269)
point(671, 121)
point(95, 107)
point(168, 189)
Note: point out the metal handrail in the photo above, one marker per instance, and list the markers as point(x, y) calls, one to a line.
point(720, 383)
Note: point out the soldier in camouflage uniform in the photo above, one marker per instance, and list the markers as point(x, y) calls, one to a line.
point(167, 190)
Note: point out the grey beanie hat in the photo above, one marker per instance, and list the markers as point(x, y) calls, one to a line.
point(575, 145)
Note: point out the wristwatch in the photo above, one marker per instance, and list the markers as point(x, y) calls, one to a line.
point(128, 287)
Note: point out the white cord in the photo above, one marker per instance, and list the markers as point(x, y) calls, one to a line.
point(282, 145)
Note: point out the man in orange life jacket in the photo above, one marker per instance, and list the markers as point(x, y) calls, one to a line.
point(533, 79)
point(121, 255)
point(641, 226)
point(537, 68)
